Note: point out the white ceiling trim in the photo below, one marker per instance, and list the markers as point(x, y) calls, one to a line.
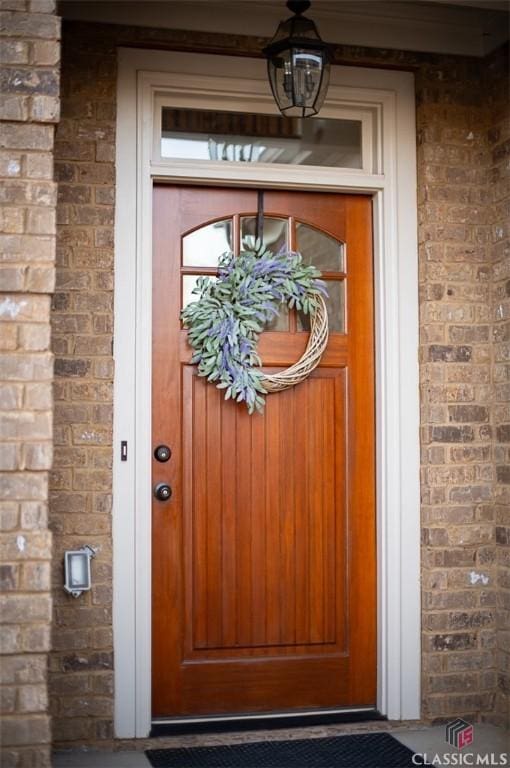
point(493, 5)
point(431, 27)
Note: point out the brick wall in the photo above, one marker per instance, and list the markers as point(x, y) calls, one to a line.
point(499, 199)
point(457, 220)
point(458, 535)
point(82, 662)
point(30, 53)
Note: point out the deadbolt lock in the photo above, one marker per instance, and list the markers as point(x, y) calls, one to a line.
point(162, 491)
point(162, 453)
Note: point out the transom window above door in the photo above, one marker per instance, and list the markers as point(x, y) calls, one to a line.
point(199, 134)
point(203, 247)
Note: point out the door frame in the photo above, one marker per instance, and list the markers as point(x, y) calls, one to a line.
point(385, 101)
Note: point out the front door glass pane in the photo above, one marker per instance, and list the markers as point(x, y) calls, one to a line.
point(335, 304)
point(319, 249)
point(274, 234)
point(188, 284)
point(204, 246)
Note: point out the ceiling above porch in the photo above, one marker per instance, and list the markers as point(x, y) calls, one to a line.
point(465, 27)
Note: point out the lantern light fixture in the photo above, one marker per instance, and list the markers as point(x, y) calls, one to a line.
point(77, 570)
point(298, 64)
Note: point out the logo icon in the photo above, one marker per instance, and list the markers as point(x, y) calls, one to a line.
point(459, 734)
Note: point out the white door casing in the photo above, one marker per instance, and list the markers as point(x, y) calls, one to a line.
point(384, 102)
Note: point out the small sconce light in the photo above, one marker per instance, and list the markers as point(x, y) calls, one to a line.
point(77, 570)
point(298, 64)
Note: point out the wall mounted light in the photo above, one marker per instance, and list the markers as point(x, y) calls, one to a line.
point(298, 64)
point(77, 570)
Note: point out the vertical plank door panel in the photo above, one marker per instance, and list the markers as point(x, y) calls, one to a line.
point(264, 558)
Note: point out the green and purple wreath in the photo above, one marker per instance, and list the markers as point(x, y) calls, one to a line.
point(225, 323)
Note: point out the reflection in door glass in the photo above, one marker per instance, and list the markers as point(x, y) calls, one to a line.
point(319, 249)
point(274, 236)
point(336, 308)
point(188, 283)
point(281, 321)
point(204, 246)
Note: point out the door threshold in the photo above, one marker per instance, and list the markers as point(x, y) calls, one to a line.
point(168, 726)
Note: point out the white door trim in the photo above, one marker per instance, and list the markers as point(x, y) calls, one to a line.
point(391, 178)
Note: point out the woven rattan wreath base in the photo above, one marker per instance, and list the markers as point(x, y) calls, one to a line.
point(317, 342)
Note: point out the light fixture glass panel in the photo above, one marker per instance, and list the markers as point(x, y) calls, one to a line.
point(204, 246)
point(307, 66)
point(77, 570)
point(320, 249)
point(196, 134)
point(299, 80)
point(78, 566)
point(188, 284)
point(335, 304)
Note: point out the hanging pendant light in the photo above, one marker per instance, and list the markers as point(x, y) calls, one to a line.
point(298, 64)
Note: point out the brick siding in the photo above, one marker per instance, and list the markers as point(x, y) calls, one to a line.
point(458, 536)
point(499, 185)
point(461, 145)
point(30, 56)
point(82, 661)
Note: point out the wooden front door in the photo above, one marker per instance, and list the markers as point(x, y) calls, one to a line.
point(264, 556)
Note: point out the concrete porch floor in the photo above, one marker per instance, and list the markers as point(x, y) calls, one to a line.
point(487, 739)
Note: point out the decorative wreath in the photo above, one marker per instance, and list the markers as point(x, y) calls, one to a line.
point(225, 323)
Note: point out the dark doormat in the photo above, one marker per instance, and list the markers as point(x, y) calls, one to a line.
point(373, 750)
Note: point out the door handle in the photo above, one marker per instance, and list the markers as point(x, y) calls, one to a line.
point(162, 491)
